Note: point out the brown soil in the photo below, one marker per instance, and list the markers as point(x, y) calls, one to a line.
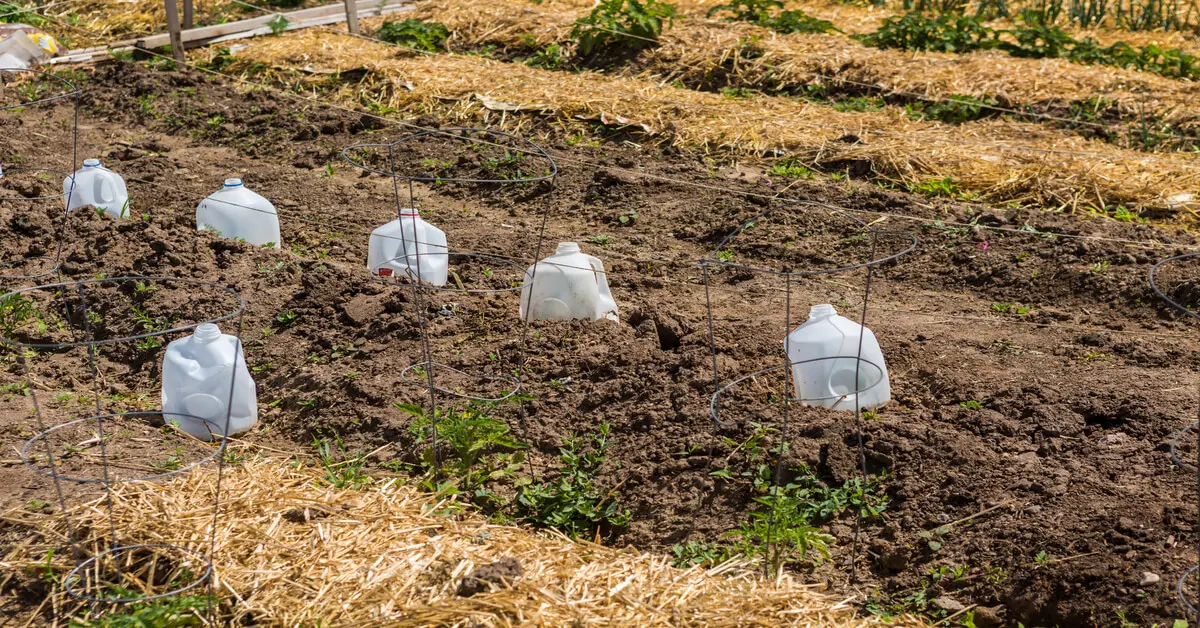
point(1063, 452)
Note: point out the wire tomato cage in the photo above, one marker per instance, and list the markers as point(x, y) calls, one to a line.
point(1183, 297)
point(118, 329)
point(522, 166)
point(25, 181)
point(824, 241)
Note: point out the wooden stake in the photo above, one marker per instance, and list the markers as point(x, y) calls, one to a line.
point(174, 30)
point(352, 16)
point(189, 14)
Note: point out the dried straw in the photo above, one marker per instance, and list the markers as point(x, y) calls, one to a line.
point(387, 555)
point(1069, 172)
point(696, 48)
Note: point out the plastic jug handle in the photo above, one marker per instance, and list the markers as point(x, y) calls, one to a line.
point(103, 190)
point(601, 276)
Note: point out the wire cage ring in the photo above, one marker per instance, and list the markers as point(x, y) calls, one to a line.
point(29, 458)
point(76, 574)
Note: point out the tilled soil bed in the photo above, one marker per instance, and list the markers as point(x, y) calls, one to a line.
point(1036, 378)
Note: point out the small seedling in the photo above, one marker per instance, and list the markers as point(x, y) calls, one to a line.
point(971, 404)
point(933, 538)
point(600, 240)
point(287, 318)
point(349, 472)
point(278, 24)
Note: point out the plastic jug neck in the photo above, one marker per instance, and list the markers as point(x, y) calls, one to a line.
point(566, 248)
point(823, 310)
point(91, 163)
point(206, 333)
point(233, 183)
point(409, 212)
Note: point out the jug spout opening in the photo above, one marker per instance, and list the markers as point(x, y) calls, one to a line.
point(91, 163)
point(207, 332)
point(567, 247)
point(822, 310)
point(233, 183)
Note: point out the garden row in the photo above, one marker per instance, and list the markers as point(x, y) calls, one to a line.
point(742, 56)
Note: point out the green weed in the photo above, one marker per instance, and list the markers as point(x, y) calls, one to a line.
point(348, 472)
point(622, 26)
point(572, 503)
point(429, 36)
point(760, 12)
point(474, 448)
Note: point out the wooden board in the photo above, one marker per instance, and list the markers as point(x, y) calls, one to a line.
point(242, 29)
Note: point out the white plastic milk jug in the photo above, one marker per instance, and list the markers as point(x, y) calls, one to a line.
point(409, 246)
point(830, 382)
point(238, 213)
point(567, 285)
point(99, 187)
point(196, 377)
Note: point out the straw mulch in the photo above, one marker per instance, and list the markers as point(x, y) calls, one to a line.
point(385, 556)
point(978, 154)
point(87, 23)
point(696, 48)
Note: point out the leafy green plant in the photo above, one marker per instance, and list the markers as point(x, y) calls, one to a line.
point(15, 311)
point(601, 240)
point(572, 502)
point(411, 33)
point(789, 168)
point(622, 26)
point(22, 12)
point(779, 531)
point(1014, 308)
point(946, 186)
point(954, 109)
point(149, 325)
point(287, 318)
point(18, 388)
point(859, 103)
point(693, 553)
point(552, 57)
point(171, 612)
point(278, 24)
point(760, 12)
point(348, 472)
point(474, 449)
point(947, 32)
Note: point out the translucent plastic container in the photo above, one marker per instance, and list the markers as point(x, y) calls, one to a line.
point(409, 246)
point(567, 285)
point(99, 187)
point(823, 355)
point(237, 213)
point(196, 377)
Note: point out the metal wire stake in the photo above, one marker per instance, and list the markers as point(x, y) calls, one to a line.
point(537, 257)
point(221, 449)
point(108, 491)
point(775, 563)
point(418, 303)
point(858, 424)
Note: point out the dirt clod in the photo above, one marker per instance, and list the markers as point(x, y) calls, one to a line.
point(502, 573)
